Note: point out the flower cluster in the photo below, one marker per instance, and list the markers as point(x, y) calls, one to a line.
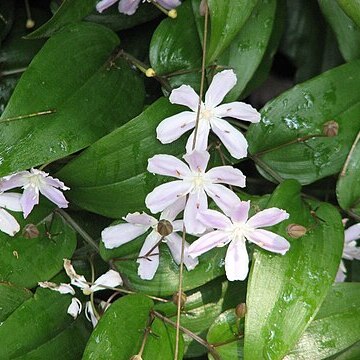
point(193, 185)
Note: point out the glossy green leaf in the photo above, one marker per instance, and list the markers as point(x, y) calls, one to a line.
point(226, 18)
point(352, 9)
point(302, 112)
point(335, 327)
point(82, 85)
point(352, 353)
point(25, 262)
point(11, 297)
point(348, 185)
point(346, 31)
point(292, 286)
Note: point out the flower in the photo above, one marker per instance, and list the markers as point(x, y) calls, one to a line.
point(165, 229)
point(350, 251)
point(33, 182)
point(236, 231)
point(129, 7)
point(8, 223)
point(110, 279)
point(194, 182)
point(211, 114)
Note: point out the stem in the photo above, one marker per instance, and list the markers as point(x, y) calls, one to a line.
point(12, 72)
point(147, 332)
point(343, 171)
point(266, 168)
point(21, 117)
point(92, 294)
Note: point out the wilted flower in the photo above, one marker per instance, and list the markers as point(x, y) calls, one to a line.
point(211, 114)
point(236, 231)
point(165, 229)
point(194, 182)
point(34, 182)
point(8, 223)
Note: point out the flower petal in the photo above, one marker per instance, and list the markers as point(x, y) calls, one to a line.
point(236, 261)
point(351, 251)
point(341, 274)
point(165, 195)
point(268, 217)
point(226, 175)
point(233, 139)
point(214, 219)
point(174, 126)
point(202, 137)
point(208, 242)
point(54, 195)
point(49, 180)
point(89, 314)
point(185, 95)
point(352, 233)
point(238, 110)
point(169, 4)
point(29, 199)
point(128, 7)
point(74, 308)
point(10, 201)
point(140, 219)
point(221, 84)
point(269, 241)
point(197, 160)
point(174, 242)
point(224, 198)
point(171, 212)
point(13, 181)
point(240, 212)
point(148, 266)
point(8, 223)
point(104, 4)
point(196, 203)
point(62, 288)
point(110, 279)
point(117, 235)
point(168, 165)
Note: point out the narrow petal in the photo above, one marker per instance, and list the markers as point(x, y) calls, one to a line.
point(174, 126)
point(196, 202)
point(174, 242)
point(128, 7)
point(185, 95)
point(10, 201)
point(140, 219)
point(110, 279)
point(49, 180)
point(227, 175)
point(178, 225)
point(89, 314)
point(168, 165)
point(214, 219)
point(62, 288)
point(233, 139)
point(165, 195)
point(236, 261)
point(197, 160)
point(104, 4)
point(54, 195)
point(269, 241)
point(171, 212)
point(74, 308)
point(169, 4)
point(13, 181)
point(207, 242)
point(351, 251)
point(202, 138)
point(8, 223)
point(224, 198)
point(221, 84)
point(148, 266)
point(238, 110)
point(240, 212)
point(117, 235)
point(341, 274)
point(352, 233)
point(29, 199)
point(268, 217)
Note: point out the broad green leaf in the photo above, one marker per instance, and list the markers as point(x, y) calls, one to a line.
point(347, 33)
point(352, 353)
point(335, 327)
point(25, 262)
point(90, 92)
point(11, 297)
point(226, 18)
point(301, 113)
point(292, 286)
point(112, 180)
point(224, 333)
point(352, 9)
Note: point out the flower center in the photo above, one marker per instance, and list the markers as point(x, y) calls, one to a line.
point(198, 181)
point(34, 181)
point(240, 231)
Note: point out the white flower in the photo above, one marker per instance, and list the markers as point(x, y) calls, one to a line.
point(211, 114)
point(8, 223)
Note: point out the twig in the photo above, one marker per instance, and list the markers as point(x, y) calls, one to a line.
point(21, 117)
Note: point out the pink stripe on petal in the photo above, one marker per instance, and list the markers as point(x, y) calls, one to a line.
point(214, 219)
point(227, 175)
point(197, 160)
point(269, 241)
point(148, 266)
point(29, 199)
point(224, 198)
point(207, 242)
point(352, 233)
point(233, 139)
point(202, 138)
point(8, 223)
point(104, 4)
point(185, 95)
point(238, 110)
point(10, 201)
point(267, 217)
point(240, 212)
point(174, 126)
point(128, 7)
point(236, 261)
point(221, 84)
point(54, 195)
point(168, 165)
point(140, 219)
point(196, 203)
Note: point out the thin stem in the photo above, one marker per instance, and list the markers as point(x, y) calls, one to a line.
point(21, 117)
point(222, 157)
point(146, 334)
point(92, 294)
point(12, 72)
point(186, 331)
point(266, 168)
point(343, 171)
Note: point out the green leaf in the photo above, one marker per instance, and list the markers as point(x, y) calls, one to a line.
point(352, 353)
point(352, 9)
point(112, 180)
point(25, 262)
point(347, 33)
point(84, 85)
point(301, 113)
point(292, 286)
point(335, 327)
point(226, 18)
point(349, 178)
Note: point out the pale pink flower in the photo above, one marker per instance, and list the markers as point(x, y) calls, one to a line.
point(350, 251)
point(129, 7)
point(236, 231)
point(211, 114)
point(194, 182)
point(9, 201)
point(138, 224)
point(34, 182)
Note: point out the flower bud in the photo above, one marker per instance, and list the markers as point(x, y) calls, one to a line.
point(164, 228)
point(296, 231)
point(172, 14)
point(183, 299)
point(30, 231)
point(150, 72)
point(202, 8)
point(331, 128)
point(30, 23)
point(240, 310)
